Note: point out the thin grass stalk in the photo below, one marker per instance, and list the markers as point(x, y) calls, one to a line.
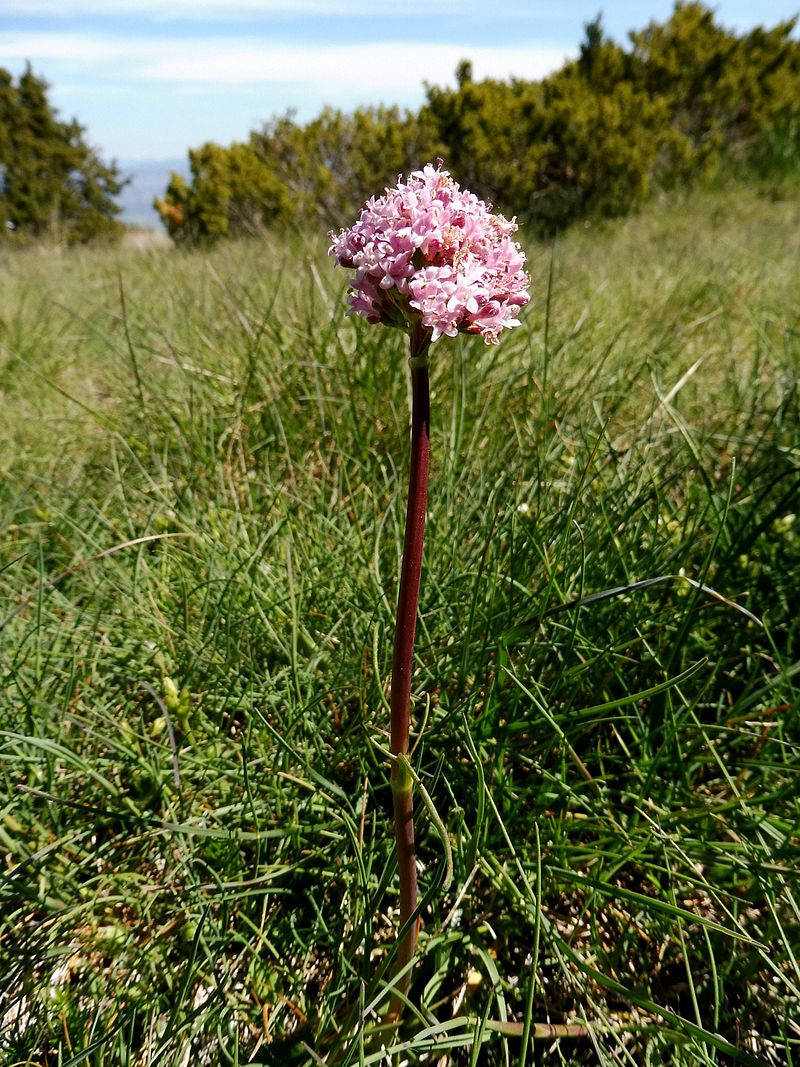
point(403, 659)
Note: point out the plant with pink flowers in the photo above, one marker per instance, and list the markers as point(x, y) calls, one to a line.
point(432, 259)
point(430, 252)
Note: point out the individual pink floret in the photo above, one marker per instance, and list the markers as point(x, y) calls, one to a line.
point(429, 251)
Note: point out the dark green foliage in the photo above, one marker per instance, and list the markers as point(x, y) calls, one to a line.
point(723, 91)
point(233, 192)
point(596, 137)
point(286, 173)
point(688, 100)
point(341, 159)
point(558, 150)
point(52, 184)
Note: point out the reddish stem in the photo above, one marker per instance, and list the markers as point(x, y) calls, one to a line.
point(403, 660)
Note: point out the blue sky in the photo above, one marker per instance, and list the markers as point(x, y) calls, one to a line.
point(151, 78)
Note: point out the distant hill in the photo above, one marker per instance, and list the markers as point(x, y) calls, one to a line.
point(149, 179)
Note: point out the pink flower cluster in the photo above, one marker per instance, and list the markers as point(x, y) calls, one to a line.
point(431, 252)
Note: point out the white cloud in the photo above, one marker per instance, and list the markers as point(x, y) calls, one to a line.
point(172, 9)
point(165, 10)
point(151, 97)
point(381, 68)
point(70, 47)
point(381, 65)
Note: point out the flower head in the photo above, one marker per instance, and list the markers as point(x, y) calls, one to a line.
point(430, 252)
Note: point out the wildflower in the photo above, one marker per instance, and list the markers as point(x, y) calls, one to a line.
point(429, 253)
point(431, 259)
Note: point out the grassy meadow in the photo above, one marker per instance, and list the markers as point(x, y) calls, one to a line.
point(202, 493)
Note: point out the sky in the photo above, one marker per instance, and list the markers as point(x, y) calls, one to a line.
point(149, 79)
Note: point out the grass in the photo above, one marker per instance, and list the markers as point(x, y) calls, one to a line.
point(202, 484)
